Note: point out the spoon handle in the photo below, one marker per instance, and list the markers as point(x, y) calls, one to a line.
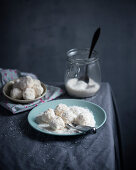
point(83, 129)
point(69, 126)
point(94, 40)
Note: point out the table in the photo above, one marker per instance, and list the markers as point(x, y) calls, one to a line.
point(22, 147)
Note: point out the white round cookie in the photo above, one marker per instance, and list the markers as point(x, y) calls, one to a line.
point(29, 94)
point(57, 123)
point(16, 83)
point(68, 116)
point(60, 109)
point(85, 119)
point(16, 93)
point(38, 90)
point(26, 82)
point(36, 81)
point(48, 115)
point(76, 110)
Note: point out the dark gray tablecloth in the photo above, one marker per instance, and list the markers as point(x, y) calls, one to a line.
point(23, 148)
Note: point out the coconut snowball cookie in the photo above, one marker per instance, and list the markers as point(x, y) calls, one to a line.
point(48, 115)
point(29, 94)
point(85, 119)
point(16, 93)
point(16, 83)
point(60, 109)
point(57, 123)
point(76, 110)
point(26, 82)
point(38, 90)
point(68, 116)
point(36, 81)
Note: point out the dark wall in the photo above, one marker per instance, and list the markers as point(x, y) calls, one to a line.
point(35, 35)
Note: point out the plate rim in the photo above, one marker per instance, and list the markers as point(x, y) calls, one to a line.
point(63, 134)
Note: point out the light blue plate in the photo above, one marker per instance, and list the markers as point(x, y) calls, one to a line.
point(99, 114)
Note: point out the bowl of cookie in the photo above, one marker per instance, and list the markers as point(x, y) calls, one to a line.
point(24, 90)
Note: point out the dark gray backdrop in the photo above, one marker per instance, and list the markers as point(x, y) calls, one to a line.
point(35, 35)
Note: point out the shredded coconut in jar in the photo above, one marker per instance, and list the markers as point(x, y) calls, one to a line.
point(80, 88)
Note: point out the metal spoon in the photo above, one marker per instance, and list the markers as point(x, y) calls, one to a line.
point(83, 129)
point(94, 40)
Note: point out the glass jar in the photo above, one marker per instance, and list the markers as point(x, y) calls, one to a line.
point(78, 65)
